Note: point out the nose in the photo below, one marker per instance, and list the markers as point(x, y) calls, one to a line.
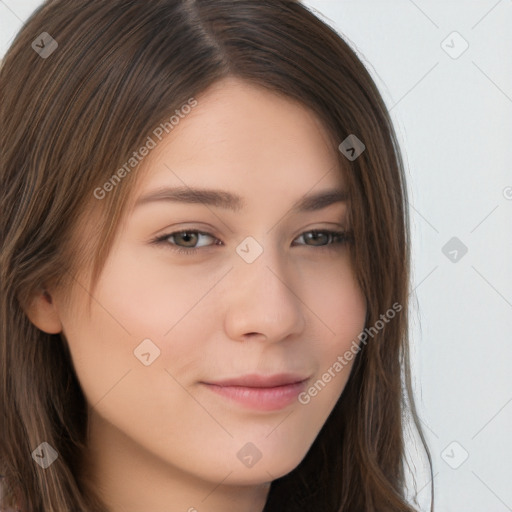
point(261, 300)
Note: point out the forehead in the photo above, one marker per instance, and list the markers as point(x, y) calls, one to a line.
point(243, 137)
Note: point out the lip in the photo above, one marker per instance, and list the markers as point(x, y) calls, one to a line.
point(254, 380)
point(260, 392)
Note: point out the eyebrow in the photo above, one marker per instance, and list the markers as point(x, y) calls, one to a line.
point(234, 202)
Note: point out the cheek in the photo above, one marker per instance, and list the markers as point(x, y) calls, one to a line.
point(134, 302)
point(341, 311)
point(337, 301)
point(152, 295)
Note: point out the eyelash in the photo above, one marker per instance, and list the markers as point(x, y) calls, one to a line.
point(343, 236)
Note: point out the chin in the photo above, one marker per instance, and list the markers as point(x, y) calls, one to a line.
point(262, 472)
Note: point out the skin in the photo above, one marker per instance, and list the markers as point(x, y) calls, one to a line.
point(159, 439)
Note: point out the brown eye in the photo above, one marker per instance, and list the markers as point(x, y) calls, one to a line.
point(188, 237)
point(318, 238)
point(186, 241)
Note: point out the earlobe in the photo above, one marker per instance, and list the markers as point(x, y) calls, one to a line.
point(42, 312)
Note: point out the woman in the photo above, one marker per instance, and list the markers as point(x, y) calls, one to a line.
point(205, 264)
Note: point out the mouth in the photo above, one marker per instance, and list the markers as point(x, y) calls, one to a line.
point(260, 392)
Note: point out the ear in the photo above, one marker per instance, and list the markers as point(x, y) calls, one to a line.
point(42, 312)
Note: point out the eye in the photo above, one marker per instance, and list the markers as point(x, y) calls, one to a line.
point(324, 238)
point(189, 238)
point(188, 241)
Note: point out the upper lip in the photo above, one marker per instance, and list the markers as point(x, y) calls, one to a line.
point(261, 381)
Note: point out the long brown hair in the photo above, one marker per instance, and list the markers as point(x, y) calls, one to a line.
point(70, 118)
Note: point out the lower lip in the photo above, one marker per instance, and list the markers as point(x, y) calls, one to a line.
point(263, 399)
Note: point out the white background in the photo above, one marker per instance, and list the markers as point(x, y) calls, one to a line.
point(454, 120)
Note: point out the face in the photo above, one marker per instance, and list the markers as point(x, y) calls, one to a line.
point(202, 348)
